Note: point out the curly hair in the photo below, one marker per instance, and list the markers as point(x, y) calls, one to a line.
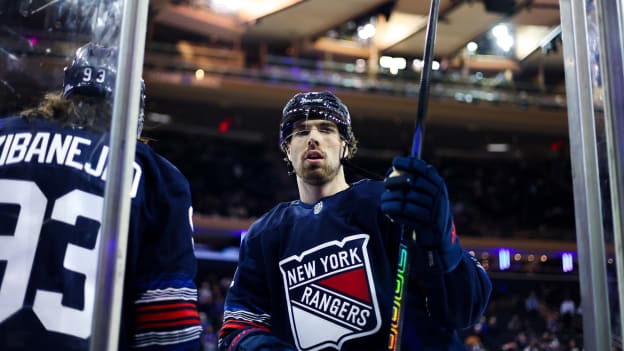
point(353, 147)
point(77, 112)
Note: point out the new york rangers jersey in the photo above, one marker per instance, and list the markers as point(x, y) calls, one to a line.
point(52, 182)
point(322, 277)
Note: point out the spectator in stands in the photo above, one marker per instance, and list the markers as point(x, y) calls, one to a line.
point(567, 306)
point(473, 343)
point(514, 323)
point(493, 331)
point(521, 340)
point(531, 304)
point(572, 346)
point(567, 310)
point(208, 337)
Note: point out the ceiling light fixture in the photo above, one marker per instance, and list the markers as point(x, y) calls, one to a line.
point(503, 38)
point(498, 147)
point(472, 47)
point(500, 30)
point(367, 31)
point(226, 6)
point(394, 64)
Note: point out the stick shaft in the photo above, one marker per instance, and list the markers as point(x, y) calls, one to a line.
point(425, 79)
point(399, 302)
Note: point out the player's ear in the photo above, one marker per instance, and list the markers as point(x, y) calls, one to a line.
point(288, 152)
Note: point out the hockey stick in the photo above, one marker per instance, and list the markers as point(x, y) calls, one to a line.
point(402, 276)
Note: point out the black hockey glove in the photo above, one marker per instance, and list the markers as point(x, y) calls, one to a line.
point(417, 198)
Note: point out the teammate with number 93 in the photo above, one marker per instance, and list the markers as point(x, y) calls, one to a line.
point(53, 161)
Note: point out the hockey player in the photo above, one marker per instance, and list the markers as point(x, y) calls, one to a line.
point(53, 162)
point(318, 273)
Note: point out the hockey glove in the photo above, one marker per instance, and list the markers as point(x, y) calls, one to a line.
point(417, 198)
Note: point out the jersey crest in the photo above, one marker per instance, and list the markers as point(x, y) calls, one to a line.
point(330, 293)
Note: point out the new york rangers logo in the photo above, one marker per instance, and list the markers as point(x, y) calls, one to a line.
point(330, 294)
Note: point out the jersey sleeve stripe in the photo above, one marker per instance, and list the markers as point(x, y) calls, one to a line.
point(167, 338)
point(242, 324)
point(241, 315)
point(187, 294)
point(168, 324)
point(166, 316)
point(176, 280)
point(168, 334)
point(227, 327)
point(188, 345)
point(164, 306)
point(162, 316)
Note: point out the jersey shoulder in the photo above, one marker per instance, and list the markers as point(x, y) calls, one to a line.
point(159, 166)
point(271, 220)
point(12, 122)
point(365, 190)
point(21, 123)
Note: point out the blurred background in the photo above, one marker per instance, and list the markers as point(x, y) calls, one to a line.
point(218, 73)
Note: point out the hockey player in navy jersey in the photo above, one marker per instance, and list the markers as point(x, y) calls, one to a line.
point(318, 273)
point(53, 162)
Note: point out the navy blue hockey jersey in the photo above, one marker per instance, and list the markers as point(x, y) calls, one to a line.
point(51, 198)
point(322, 277)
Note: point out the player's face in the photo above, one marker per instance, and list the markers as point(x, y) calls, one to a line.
point(315, 150)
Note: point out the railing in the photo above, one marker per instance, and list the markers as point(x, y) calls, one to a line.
point(187, 57)
point(468, 89)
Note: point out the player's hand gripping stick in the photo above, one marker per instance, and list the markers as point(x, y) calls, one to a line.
point(398, 307)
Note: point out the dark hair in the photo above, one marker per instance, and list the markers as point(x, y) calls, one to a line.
point(353, 147)
point(317, 105)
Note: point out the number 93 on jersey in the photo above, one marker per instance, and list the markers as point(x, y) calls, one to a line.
point(42, 239)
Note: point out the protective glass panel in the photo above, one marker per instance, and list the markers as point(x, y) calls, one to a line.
point(594, 49)
point(52, 170)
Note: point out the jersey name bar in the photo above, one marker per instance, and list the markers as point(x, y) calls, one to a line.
point(59, 149)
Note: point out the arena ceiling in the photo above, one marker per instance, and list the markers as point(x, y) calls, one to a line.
point(305, 24)
point(401, 32)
